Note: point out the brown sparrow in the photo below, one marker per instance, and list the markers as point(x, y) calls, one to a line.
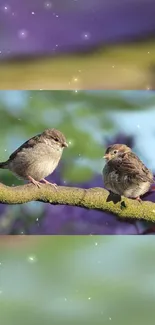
point(38, 157)
point(124, 173)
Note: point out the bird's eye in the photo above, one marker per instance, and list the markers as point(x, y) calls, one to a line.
point(115, 151)
point(56, 140)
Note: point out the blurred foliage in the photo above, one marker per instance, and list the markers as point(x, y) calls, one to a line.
point(77, 280)
point(127, 66)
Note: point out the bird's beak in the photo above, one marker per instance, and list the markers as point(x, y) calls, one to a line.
point(107, 156)
point(65, 144)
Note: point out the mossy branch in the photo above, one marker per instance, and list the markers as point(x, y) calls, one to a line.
point(93, 198)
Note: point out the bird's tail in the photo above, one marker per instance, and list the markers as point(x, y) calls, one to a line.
point(3, 165)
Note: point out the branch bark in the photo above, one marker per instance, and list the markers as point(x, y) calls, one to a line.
point(93, 198)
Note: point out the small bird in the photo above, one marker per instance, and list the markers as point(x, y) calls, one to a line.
point(38, 157)
point(124, 173)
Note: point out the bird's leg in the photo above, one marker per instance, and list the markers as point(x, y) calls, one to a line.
point(33, 181)
point(47, 182)
point(138, 199)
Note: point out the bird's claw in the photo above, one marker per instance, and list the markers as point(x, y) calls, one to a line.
point(33, 181)
point(47, 182)
point(139, 199)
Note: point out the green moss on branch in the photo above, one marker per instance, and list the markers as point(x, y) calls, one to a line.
point(93, 198)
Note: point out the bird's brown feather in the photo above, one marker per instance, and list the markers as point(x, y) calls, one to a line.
point(28, 144)
point(129, 163)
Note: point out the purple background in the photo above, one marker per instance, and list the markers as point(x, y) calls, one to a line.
point(62, 26)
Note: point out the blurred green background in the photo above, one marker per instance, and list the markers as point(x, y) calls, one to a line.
point(77, 280)
point(127, 66)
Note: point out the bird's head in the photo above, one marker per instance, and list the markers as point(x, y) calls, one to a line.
point(56, 137)
point(115, 150)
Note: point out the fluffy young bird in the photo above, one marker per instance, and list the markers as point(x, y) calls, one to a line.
point(38, 157)
point(124, 173)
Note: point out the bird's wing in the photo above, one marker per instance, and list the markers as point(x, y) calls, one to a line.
point(28, 144)
point(129, 163)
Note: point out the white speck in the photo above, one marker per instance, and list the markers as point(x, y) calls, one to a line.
point(76, 91)
point(56, 45)
point(75, 79)
point(32, 259)
point(89, 298)
point(0, 52)
point(56, 16)
point(23, 33)
point(33, 13)
point(148, 52)
point(113, 66)
point(71, 143)
point(109, 318)
point(1, 291)
point(148, 88)
point(5, 150)
point(138, 126)
point(79, 70)
point(37, 219)
point(13, 13)
point(6, 8)
point(48, 5)
point(96, 244)
point(0, 263)
point(86, 36)
point(22, 232)
point(65, 299)
point(40, 89)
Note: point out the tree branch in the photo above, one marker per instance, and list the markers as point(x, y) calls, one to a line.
point(93, 198)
